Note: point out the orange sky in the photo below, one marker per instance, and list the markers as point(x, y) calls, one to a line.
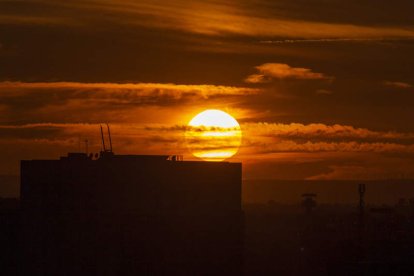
point(321, 89)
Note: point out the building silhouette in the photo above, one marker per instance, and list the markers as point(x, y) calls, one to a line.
point(131, 215)
point(308, 202)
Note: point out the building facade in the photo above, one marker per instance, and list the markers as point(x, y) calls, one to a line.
point(131, 215)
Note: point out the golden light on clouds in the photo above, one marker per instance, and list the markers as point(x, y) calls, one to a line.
point(213, 135)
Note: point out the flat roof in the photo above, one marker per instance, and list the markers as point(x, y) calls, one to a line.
point(106, 156)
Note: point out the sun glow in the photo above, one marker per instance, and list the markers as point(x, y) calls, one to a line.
point(213, 135)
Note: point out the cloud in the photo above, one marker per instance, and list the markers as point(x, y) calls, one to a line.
point(268, 139)
point(264, 142)
point(324, 92)
point(170, 42)
point(222, 18)
point(314, 131)
point(51, 140)
point(333, 40)
point(398, 84)
point(285, 146)
point(369, 167)
point(317, 137)
point(127, 137)
point(37, 20)
point(270, 71)
point(322, 131)
point(96, 102)
point(133, 89)
point(259, 138)
point(218, 18)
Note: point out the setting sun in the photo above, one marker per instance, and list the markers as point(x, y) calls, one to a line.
point(213, 135)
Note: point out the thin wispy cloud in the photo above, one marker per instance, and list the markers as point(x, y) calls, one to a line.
point(131, 89)
point(398, 84)
point(312, 131)
point(324, 92)
point(204, 17)
point(271, 71)
point(96, 102)
point(260, 138)
point(333, 40)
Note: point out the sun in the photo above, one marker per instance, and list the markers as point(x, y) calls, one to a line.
point(213, 135)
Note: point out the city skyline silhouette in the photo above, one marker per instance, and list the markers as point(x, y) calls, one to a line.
point(206, 137)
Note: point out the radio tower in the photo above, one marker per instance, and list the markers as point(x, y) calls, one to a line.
point(361, 190)
point(361, 222)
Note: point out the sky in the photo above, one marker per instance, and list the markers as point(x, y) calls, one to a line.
point(322, 89)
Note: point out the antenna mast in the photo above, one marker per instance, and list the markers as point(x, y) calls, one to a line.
point(103, 140)
point(86, 146)
point(361, 190)
point(110, 139)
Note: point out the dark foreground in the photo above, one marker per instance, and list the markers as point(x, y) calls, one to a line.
point(333, 240)
point(285, 240)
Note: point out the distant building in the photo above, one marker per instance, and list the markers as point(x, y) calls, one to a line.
point(131, 215)
point(308, 202)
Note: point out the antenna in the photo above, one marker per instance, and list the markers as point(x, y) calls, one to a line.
point(86, 146)
point(361, 219)
point(110, 139)
point(103, 140)
point(79, 143)
point(361, 190)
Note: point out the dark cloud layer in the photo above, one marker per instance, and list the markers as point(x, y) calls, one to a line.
point(63, 102)
point(181, 42)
